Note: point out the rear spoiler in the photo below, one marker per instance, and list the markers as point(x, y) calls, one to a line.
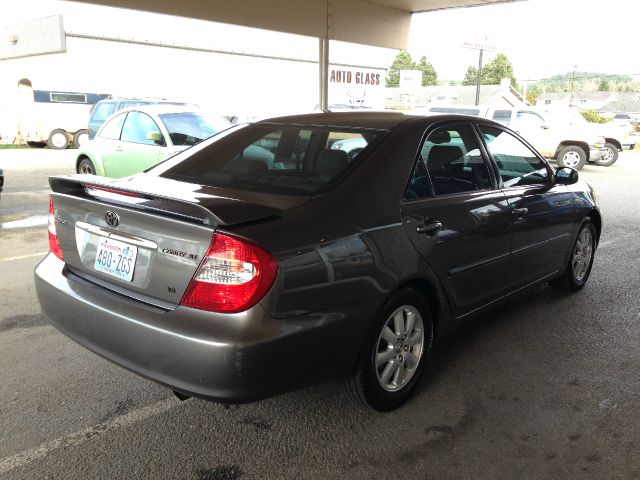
point(109, 192)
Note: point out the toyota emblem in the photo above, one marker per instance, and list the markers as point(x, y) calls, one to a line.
point(112, 218)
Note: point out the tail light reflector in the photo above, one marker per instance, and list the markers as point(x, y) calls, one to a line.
point(54, 243)
point(234, 275)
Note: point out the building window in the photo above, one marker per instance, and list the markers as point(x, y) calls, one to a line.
point(547, 102)
point(68, 97)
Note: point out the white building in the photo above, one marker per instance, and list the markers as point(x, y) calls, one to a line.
point(224, 69)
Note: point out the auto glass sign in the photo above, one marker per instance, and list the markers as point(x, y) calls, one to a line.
point(356, 87)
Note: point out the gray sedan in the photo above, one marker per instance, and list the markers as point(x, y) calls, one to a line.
point(267, 258)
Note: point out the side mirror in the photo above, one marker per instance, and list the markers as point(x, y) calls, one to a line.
point(566, 176)
point(155, 137)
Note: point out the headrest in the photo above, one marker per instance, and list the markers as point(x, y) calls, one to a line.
point(440, 136)
point(442, 155)
point(248, 167)
point(332, 159)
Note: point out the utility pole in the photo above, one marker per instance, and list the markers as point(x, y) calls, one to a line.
point(479, 76)
point(479, 43)
point(573, 74)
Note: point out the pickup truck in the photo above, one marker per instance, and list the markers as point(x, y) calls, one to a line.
point(618, 135)
point(571, 145)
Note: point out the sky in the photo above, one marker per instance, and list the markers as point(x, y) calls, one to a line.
point(540, 37)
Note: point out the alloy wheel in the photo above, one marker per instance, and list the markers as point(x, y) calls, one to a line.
point(399, 348)
point(582, 254)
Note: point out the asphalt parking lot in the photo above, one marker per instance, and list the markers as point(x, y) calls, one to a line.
point(545, 387)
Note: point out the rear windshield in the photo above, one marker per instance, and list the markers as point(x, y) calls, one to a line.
point(272, 158)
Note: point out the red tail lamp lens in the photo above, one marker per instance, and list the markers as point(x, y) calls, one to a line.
point(54, 243)
point(234, 276)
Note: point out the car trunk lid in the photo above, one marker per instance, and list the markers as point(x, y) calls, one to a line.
point(145, 237)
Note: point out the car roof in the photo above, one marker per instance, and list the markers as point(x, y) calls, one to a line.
point(161, 108)
point(347, 119)
point(372, 120)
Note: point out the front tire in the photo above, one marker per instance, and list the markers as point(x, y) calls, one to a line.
point(571, 156)
point(393, 357)
point(86, 167)
point(580, 261)
point(610, 155)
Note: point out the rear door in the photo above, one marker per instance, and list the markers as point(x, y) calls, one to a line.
point(457, 218)
point(543, 213)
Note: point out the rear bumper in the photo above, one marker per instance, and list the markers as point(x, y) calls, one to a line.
point(230, 358)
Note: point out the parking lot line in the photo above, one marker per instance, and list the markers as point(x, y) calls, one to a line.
point(25, 457)
point(22, 257)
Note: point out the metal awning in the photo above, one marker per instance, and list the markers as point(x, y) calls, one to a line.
point(381, 23)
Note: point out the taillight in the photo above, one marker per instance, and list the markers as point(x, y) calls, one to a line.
point(54, 243)
point(233, 276)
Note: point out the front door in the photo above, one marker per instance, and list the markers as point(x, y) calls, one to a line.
point(458, 219)
point(543, 213)
point(139, 148)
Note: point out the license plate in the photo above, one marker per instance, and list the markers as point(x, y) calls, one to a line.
point(116, 258)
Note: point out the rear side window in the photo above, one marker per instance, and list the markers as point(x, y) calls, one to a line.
point(273, 158)
point(502, 116)
point(517, 163)
point(113, 127)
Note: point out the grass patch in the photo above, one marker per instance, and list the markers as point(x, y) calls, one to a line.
point(11, 146)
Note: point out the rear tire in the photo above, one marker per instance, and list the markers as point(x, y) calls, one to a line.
point(58, 139)
point(610, 156)
point(393, 356)
point(571, 156)
point(580, 261)
point(86, 167)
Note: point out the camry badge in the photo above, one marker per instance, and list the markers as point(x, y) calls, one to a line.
point(112, 218)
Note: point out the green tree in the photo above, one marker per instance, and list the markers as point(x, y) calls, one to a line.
point(403, 61)
point(594, 116)
point(471, 77)
point(604, 86)
point(494, 71)
point(429, 74)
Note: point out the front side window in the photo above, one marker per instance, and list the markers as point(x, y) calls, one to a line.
point(454, 162)
point(140, 128)
point(517, 163)
point(273, 158)
point(113, 127)
point(190, 128)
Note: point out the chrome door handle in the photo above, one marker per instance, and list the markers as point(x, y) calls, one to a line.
point(429, 228)
point(519, 212)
